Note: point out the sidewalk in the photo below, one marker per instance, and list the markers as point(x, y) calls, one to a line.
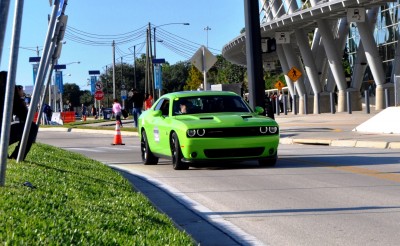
point(333, 130)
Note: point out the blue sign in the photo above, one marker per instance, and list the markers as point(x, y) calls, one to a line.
point(93, 80)
point(35, 68)
point(158, 61)
point(94, 72)
point(59, 66)
point(34, 59)
point(158, 77)
point(59, 81)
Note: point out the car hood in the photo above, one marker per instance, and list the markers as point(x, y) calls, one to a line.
point(225, 120)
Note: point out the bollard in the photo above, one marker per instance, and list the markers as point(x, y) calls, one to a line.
point(348, 102)
point(294, 109)
point(332, 102)
point(367, 107)
point(387, 98)
point(278, 109)
point(285, 105)
point(305, 104)
point(318, 103)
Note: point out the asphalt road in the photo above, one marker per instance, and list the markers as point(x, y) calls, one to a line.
point(317, 195)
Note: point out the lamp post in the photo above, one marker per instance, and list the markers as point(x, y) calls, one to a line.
point(154, 31)
point(155, 41)
point(207, 28)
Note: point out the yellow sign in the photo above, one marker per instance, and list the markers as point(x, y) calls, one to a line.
point(279, 85)
point(294, 74)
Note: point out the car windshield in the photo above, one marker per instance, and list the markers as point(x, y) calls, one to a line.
point(209, 104)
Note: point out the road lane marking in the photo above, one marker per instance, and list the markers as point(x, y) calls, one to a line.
point(372, 173)
point(357, 170)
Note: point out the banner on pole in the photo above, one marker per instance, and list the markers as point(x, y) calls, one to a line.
point(158, 77)
point(59, 81)
point(35, 68)
point(93, 80)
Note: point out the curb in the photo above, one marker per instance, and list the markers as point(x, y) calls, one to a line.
point(63, 129)
point(342, 143)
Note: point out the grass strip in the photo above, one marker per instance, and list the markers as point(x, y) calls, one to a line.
point(77, 201)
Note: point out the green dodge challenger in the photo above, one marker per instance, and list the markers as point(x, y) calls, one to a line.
point(206, 126)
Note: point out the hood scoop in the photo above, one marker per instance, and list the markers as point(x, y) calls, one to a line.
point(247, 116)
point(207, 118)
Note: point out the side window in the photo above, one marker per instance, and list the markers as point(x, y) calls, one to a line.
point(165, 107)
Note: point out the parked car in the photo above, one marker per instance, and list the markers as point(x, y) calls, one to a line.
point(216, 125)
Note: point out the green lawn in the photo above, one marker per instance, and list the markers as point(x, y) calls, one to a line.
point(77, 201)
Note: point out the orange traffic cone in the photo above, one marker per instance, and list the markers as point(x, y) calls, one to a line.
point(117, 136)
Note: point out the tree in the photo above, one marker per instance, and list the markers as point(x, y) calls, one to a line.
point(71, 94)
point(194, 80)
point(175, 76)
point(225, 72)
point(86, 98)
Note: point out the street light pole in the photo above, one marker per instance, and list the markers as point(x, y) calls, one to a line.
point(155, 41)
point(207, 28)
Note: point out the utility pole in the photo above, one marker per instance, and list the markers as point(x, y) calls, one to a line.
point(134, 65)
point(146, 81)
point(113, 46)
point(151, 84)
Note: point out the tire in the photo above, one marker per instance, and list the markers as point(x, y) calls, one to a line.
point(148, 157)
point(177, 154)
point(268, 162)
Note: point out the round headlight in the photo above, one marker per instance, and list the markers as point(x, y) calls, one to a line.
point(191, 133)
point(263, 129)
point(272, 129)
point(201, 132)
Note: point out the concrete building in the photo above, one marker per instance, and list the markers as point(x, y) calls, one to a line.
point(308, 40)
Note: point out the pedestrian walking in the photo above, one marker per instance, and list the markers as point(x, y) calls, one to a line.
point(117, 110)
point(137, 100)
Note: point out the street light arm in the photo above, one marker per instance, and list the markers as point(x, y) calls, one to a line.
point(174, 23)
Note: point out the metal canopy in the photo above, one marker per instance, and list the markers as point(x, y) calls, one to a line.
point(235, 50)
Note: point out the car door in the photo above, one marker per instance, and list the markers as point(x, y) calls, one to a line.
point(161, 128)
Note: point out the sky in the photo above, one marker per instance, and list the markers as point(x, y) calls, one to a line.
point(104, 20)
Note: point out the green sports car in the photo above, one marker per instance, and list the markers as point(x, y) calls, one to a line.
point(206, 126)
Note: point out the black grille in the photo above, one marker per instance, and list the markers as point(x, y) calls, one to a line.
point(233, 132)
point(231, 153)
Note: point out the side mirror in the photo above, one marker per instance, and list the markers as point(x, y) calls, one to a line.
point(259, 110)
point(157, 113)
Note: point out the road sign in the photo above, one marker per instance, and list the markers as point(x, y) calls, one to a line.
point(282, 37)
point(158, 61)
point(99, 86)
point(294, 74)
point(209, 59)
point(94, 72)
point(34, 59)
point(123, 94)
point(60, 66)
point(279, 85)
point(356, 14)
point(98, 95)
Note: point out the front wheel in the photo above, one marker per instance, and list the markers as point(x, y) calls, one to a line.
point(148, 157)
point(177, 154)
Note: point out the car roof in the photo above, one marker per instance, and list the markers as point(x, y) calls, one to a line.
point(199, 93)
